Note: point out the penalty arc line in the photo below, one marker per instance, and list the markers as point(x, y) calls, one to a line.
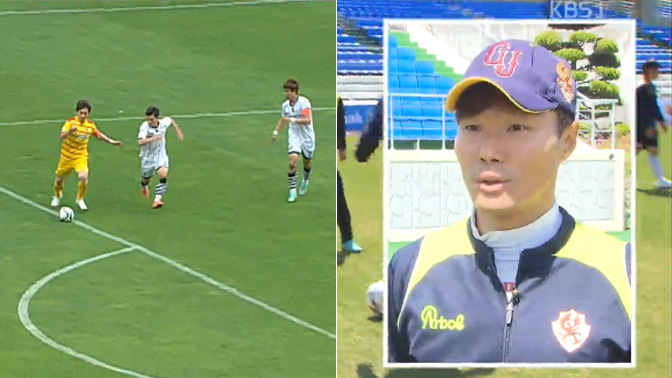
point(137, 118)
point(24, 315)
point(150, 8)
point(175, 264)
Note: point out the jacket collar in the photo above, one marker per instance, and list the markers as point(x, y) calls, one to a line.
point(534, 262)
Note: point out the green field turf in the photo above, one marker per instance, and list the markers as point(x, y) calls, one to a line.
point(360, 340)
point(225, 213)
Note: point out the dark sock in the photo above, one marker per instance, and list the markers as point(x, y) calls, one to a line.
point(291, 178)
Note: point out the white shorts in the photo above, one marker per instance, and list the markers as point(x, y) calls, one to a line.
point(150, 167)
point(302, 146)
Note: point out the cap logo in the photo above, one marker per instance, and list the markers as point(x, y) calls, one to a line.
point(565, 81)
point(502, 58)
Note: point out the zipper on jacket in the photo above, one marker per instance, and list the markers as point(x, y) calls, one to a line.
point(510, 307)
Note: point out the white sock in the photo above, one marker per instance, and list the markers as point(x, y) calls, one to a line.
point(656, 168)
point(157, 198)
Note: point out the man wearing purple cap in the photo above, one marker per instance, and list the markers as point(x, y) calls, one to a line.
point(520, 280)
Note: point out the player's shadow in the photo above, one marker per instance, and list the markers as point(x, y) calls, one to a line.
point(341, 256)
point(658, 192)
point(366, 371)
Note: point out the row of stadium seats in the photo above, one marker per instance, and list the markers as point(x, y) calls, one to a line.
point(409, 111)
point(367, 16)
point(413, 117)
point(421, 84)
point(422, 130)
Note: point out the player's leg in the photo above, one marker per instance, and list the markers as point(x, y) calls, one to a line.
point(161, 186)
point(146, 176)
point(294, 151)
point(651, 143)
point(343, 219)
point(82, 168)
point(307, 151)
point(291, 175)
point(63, 169)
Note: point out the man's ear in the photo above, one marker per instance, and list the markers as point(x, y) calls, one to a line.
point(568, 139)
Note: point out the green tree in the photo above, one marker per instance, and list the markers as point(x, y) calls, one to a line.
point(602, 89)
point(608, 73)
point(550, 40)
point(580, 38)
point(580, 76)
point(604, 59)
point(571, 55)
point(606, 45)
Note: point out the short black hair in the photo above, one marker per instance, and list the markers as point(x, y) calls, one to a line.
point(152, 110)
point(81, 104)
point(480, 96)
point(291, 84)
point(650, 64)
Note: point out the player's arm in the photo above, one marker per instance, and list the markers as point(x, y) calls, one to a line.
point(278, 127)
point(340, 125)
point(98, 134)
point(67, 130)
point(306, 118)
point(143, 138)
point(659, 118)
point(178, 131)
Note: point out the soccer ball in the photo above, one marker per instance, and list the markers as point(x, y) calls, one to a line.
point(66, 214)
point(374, 297)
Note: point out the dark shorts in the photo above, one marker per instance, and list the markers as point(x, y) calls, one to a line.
point(647, 137)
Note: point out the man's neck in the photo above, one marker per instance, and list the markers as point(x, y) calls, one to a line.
point(493, 221)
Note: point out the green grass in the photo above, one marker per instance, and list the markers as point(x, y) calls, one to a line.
point(360, 340)
point(225, 216)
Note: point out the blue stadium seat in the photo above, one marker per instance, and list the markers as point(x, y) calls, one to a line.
point(432, 130)
point(427, 82)
point(432, 111)
point(393, 82)
point(405, 54)
point(412, 129)
point(425, 68)
point(407, 81)
point(406, 67)
point(391, 42)
point(392, 54)
point(411, 111)
point(444, 84)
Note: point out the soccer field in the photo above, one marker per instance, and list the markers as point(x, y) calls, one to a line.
point(360, 340)
point(227, 279)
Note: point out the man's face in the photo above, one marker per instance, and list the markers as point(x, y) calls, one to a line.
point(652, 73)
point(82, 114)
point(510, 158)
point(152, 120)
point(290, 95)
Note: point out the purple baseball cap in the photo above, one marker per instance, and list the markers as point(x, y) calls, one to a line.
point(533, 78)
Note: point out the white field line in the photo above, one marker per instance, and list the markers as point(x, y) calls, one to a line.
point(184, 268)
point(148, 8)
point(140, 118)
point(24, 306)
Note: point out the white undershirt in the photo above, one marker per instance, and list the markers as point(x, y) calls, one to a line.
point(508, 245)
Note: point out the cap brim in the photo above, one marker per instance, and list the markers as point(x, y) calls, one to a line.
point(464, 84)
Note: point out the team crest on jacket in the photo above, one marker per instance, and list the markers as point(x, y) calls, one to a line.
point(571, 330)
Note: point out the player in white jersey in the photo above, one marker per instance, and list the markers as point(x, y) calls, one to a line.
point(297, 113)
point(153, 156)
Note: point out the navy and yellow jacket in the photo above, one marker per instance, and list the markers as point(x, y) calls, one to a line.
point(572, 300)
point(340, 124)
point(371, 133)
